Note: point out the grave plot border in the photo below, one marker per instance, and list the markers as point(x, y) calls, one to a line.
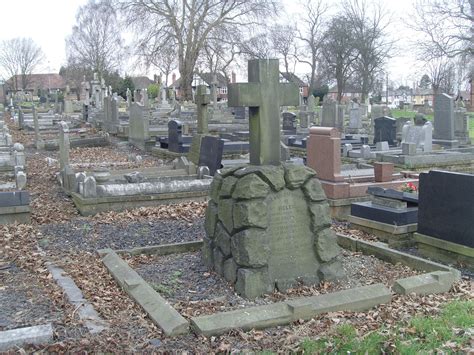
point(437, 278)
point(91, 206)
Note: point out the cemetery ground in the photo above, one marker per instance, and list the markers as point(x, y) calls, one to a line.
point(30, 295)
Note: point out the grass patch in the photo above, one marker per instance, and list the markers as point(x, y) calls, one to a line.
point(397, 113)
point(448, 332)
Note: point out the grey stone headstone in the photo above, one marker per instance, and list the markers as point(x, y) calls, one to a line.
point(408, 148)
point(385, 130)
point(289, 122)
point(382, 146)
point(444, 117)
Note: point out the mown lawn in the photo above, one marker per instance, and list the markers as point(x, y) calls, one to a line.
point(452, 331)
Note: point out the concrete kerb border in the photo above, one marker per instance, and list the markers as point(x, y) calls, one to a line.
point(438, 279)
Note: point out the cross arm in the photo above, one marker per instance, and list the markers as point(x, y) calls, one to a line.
point(244, 94)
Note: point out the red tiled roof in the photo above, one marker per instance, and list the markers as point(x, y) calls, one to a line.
point(39, 81)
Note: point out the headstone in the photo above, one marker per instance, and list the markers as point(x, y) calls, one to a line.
point(365, 151)
point(64, 145)
point(383, 172)
point(385, 130)
point(346, 149)
point(202, 101)
point(461, 125)
point(175, 136)
point(289, 122)
point(382, 146)
point(129, 97)
point(355, 117)
point(333, 115)
point(139, 126)
point(267, 225)
point(210, 154)
point(446, 206)
point(421, 136)
point(20, 179)
point(38, 140)
point(444, 119)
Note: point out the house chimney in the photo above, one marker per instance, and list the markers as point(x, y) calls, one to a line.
point(233, 77)
point(173, 78)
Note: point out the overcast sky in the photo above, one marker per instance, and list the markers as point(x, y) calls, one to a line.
point(48, 22)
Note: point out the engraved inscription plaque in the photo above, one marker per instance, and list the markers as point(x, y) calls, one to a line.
point(291, 240)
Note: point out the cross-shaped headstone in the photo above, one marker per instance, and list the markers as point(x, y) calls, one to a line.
point(263, 94)
point(202, 100)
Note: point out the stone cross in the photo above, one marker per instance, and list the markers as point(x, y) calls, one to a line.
point(263, 94)
point(38, 139)
point(202, 100)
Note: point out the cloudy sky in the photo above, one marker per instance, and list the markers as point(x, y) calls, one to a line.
point(48, 22)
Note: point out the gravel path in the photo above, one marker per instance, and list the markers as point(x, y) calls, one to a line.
point(88, 235)
point(23, 303)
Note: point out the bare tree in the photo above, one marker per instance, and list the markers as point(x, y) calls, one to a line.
point(220, 52)
point(310, 32)
point(339, 52)
point(283, 41)
point(96, 41)
point(368, 25)
point(160, 55)
point(20, 57)
point(257, 47)
point(448, 27)
point(441, 72)
point(189, 23)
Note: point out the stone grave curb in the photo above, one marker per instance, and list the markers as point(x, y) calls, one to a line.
point(165, 249)
point(38, 334)
point(281, 313)
point(93, 322)
point(92, 206)
point(393, 234)
point(381, 251)
point(157, 308)
point(439, 279)
point(444, 251)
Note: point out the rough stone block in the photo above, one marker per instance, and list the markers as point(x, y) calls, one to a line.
point(326, 245)
point(320, 216)
point(383, 172)
point(250, 248)
point(207, 251)
point(331, 271)
point(223, 240)
point(230, 270)
point(225, 208)
point(215, 187)
point(250, 187)
point(251, 283)
point(250, 214)
point(433, 282)
point(211, 219)
point(297, 175)
point(273, 175)
point(218, 261)
point(313, 190)
point(227, 187)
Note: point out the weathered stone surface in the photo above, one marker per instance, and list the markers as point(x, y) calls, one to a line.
point(223, 240)
point(250, 187)
point(218, 261)
point(215, 187)
point(250, 248)
point(272, 175)
point(230, 270)
point(284, 285)
point(251, 283)
point(250, 214)
point(225, 214)
point(433, 282)
point(320, 217)
point(280, 313)
point(207, 251)
point(211, 219)
point(227, 187)
point(313, 190)
point(229, 171)
point(331, 271)
point(326, 245)
point(297, 175)
point(16, 338)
